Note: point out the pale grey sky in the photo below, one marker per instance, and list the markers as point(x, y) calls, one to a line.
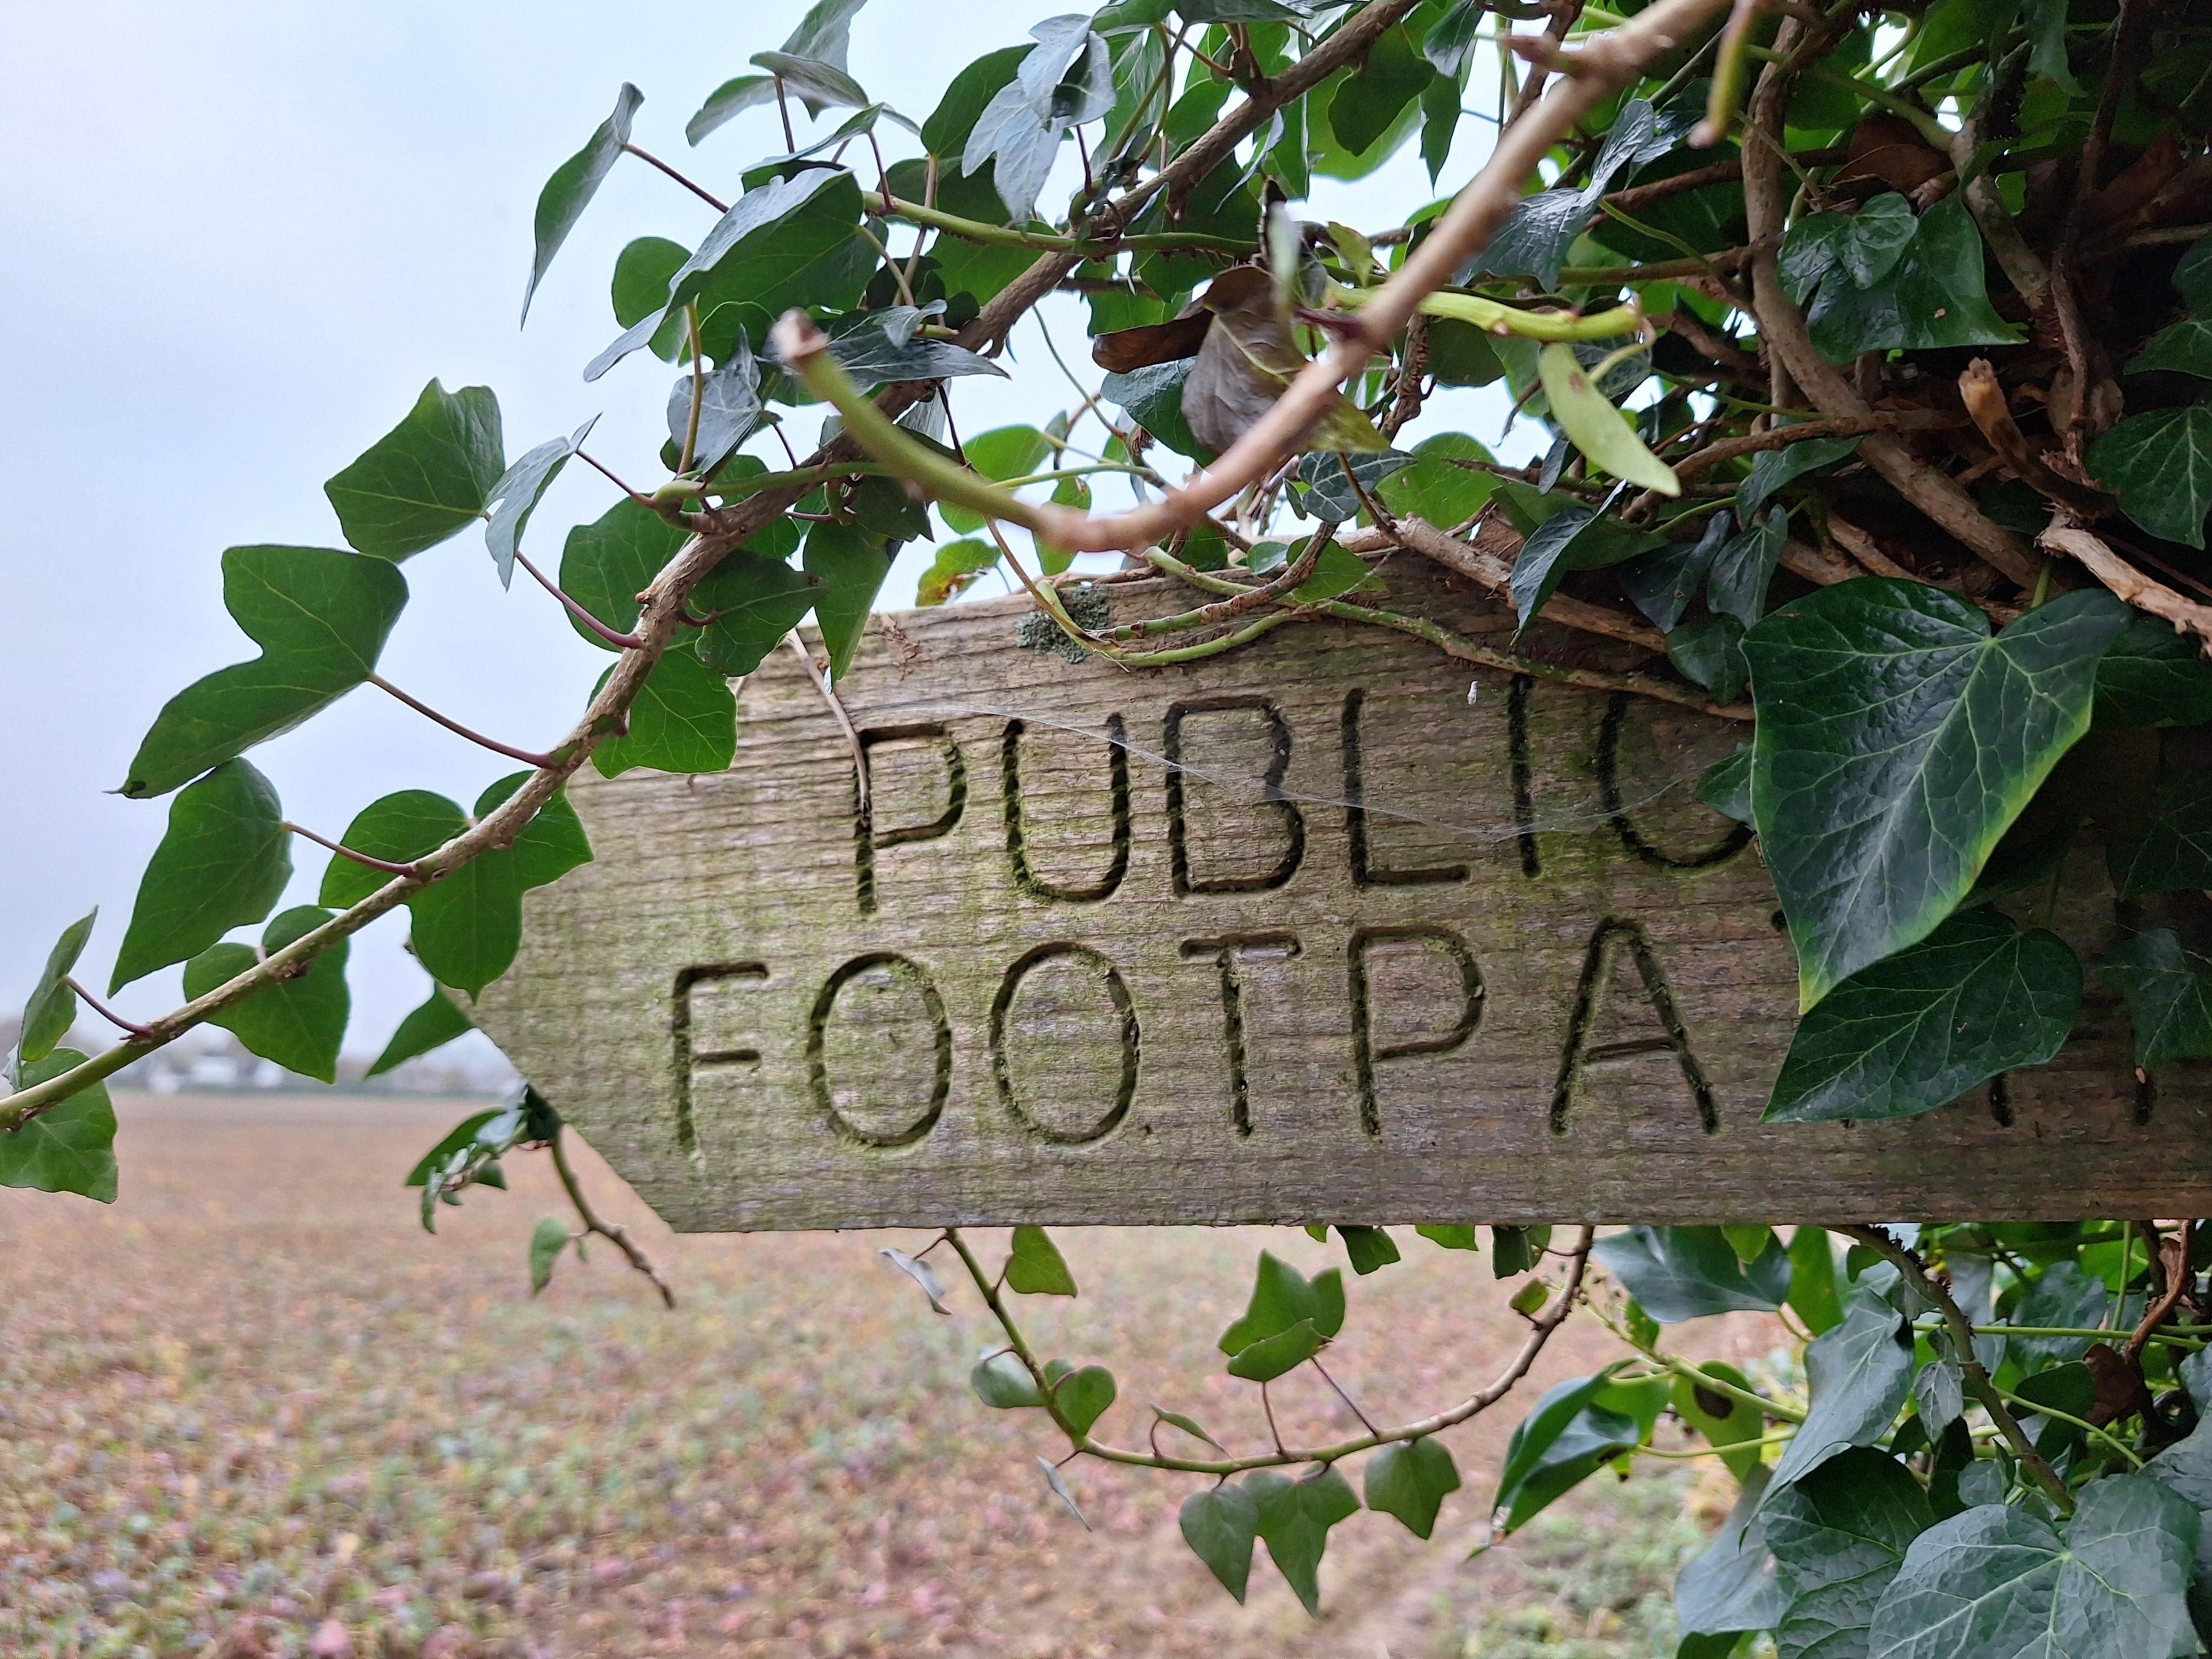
point(240, 238)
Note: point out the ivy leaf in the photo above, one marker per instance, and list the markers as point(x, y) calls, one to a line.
point(571, 186)
point(887, 345)
point(1152, 397)
point(1219, 1525)
point(1664, 583)
point(1004, 453)
point(1451, 38)
point(467, 927)
point(1081, 1396)
point(300, 1023)
point(2110, 1583)
point(1059, 1487)
point(225, 858)
point(52, 1008)
point(2153, 676)
point(1281, 1296)
point(1329, 495)
point(1516, 1249)
point(2184, 349)
point(1859, 1373)
point(945, 134)
point(432, 1024)
point(822, 37)
point(818, 85)
point(1813, 1279)
point(1189, 1426)
point(1934, 296)
point(1370, 1247)
point(1838, 1537)
point(1583, 412)
point(729, 403)
point(923, 1274)
point(1897, 742)
point(1369, 101)
point(1294, 1517)
point(754, 602)
point(643, 270)
point(1726, 786)
point(1975, 999)
point(956, 565)
point(320, 618)
point(2160, 466)
point(2168, 991)
point(1411, 1478)
point(71, 1147)
point(2192, 276)
point(1037, 1267)
point(1575, 538)
point(2171, 850)
point(1434, 488)
point(1735, 1585)
point(1709, 651)
point(1271, 1356)
point(607, 563)
point(1687, 1272)
point(1018, 144)
point(1534, 239)
point(1568, 1437)
point(685, 718)
point(424, 480)
point(398, 829)
point(851, 566)
point(1731, 1426)
point(1449, 1236)
point(515, 496)
point(1067, 76)
point(1003, 1383)
point(1771, 468)
point(547, 1240)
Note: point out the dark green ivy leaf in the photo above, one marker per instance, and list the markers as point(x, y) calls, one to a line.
point(753, 602)
point(435, 1022)
point(1534, 239)
point(1411, 1478)
point(2110, 1583)
point(52, 1008)
point(1687, 1273)
point(1369, 1249)
point(424, 480)
point(2153, 676)
point(1294, 1517)
point(1932, 297)
point(300, 1023)
point(225, 858)
point(399, 828)
point(851, 565)
point(1813, 1280)
point(1516, 1249)
point(320, 618)
point(516, 495)
point(2168, 991)
point(1744, 564)
point(71, 1147)
point(2160, 466)
point(1975, 999)
point(1037, 1267)
point(574, 184)
point(1735, 1585)
point(1708, 650)
point(729, 403)
point(1219, 1525)
point(1858, 1373)
point(1574, 539)
point(684, 719)
point(467, 927)
point(1281, 1296)
point(1152, 397)
point(2172, 849)
point(1897, 742)
point(1838, 1537)
point(1731, 1426)
point(2184, 349)
point(1567, 1439)
point(887, 345)
point(1271, 1356)
point(1726, 787)
point(607, 563)
point(1082, 1396)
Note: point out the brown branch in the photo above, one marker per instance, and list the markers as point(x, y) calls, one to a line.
point(1729, 449)
point(2144, 592)
point(2173, 1264)
point(1781, 328)
point(1487, 561)
point(1992, 414)
point(613, 1232)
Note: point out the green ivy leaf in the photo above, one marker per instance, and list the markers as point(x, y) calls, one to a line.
point(643, 270)
point(547, 1240)
point(1687, 1272)
point(571, 186)
point(887, 345)
point(1726, 786)
point(516, 495)
point(1219, 1525)
point(2192, 276)
point(754, 602)
point(1933, 297)
point(1516, 1249)
point(2168, 991)
point(1897, 742)
point(71, 1147)
point(1567, 1439)
point(2153, 676)
point(424, 480)
point(1369, 1249)
point(431, 1024)
point(1082, 1396)
point(1534, 239)
point(1152, 397)
point(1004, 453)
point(467, 927)
point(320, 618)
point(729, 403)
point(2171, 850)
point(1596, 427)
point(1573, 538)
point(1858, 1373)
point(1708, 650)
point(956, 565)
point(1731, 1426)
point(1975, 999)
point(1003, 1383)
point(52, 1008)
point(1293, 1518)
point(224, 860)
point(1812, 1296)
point(1281, 1296)
point(1838, 1537)
point(2160, 466)
point(1037, 1267)
point(685, 718)
point(300, 1023)
point(2110, 1583)
point(851, 566)
point(1189, 1426)
point(1732, 1586)
point(607, 563)
point(1771, 468)
point(1450, 1237)
point(1271, 1357)
point(1434, 488)
point(1411, 1478)
point(2186, 349)
point(399, 828)
point(818, 85)
point(1368, 102)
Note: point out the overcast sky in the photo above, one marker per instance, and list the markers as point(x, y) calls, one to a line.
point(241, 238)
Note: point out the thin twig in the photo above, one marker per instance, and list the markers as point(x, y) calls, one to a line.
point(102, 1009)
point(837, 708)
point(385, 865)
point(2144, 592)
point(697, 189)
point(528, 757)
point(620, 641)
point(613, 1232)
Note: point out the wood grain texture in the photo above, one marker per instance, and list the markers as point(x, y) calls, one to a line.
point(1317, 931)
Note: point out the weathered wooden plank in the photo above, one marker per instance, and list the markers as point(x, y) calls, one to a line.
point(1314, 930)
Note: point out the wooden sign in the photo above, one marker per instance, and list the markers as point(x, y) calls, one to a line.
point(1330, 928)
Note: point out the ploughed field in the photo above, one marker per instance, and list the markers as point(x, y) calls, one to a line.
point(253, 1410)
